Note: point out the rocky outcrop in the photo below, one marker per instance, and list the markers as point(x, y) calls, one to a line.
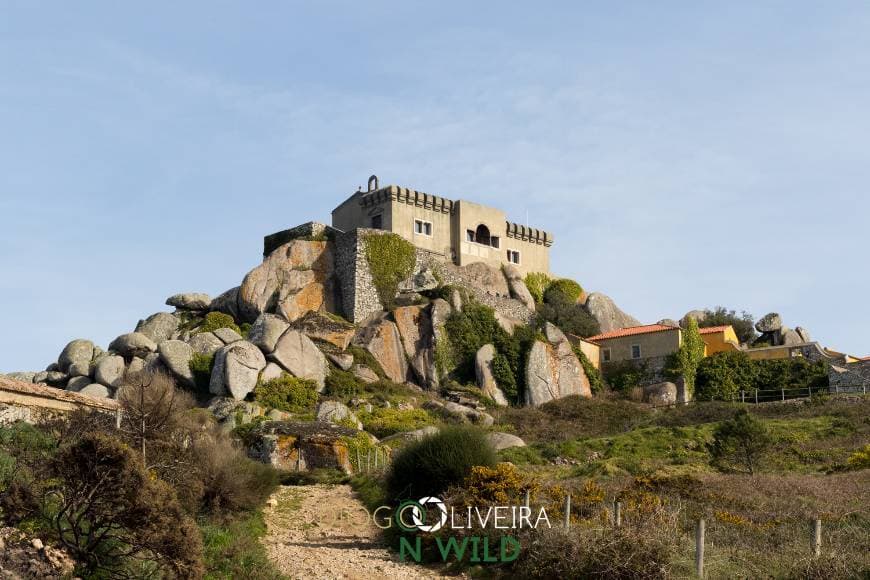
point(365, 374)
point(456, 413)
point(336, 412)
point(790, 337)
point(501, 441)
point(487, 278)
point(668, 322)
point(205, 343)
point(22, 556)
point(294, 279)
point(660, 394)
point(158, 327)
point(804, 334)
point(407, 436)
point(415, 328)
point(133, 344)
point(485, 379)
point(228, 303)
point(190, 301)
point(770, 322)
point(553, 370)
point(78, 353)
point(333, 330)
point(698, 315)
point(266, 331)
point(608, 315)
point(300, 357)
point(342, 361)
point(517, 287)
point(176, 356)
point(294, 446)
point(109, 371)
point(236, 369)
point(382, 339)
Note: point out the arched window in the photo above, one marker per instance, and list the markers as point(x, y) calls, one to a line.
point(481, 235)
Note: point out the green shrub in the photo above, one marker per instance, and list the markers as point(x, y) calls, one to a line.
point(567, 314)
point(568, 288)
point(722, 376)
point(743, 323)
point(429, 466)
point(363, 357)
point(860, 459)
point(287, 393)
point(596, 382)
point(232, 548)
point(739, 443)
point(216, 320)
point(342, 384)
point(504, 376)
point(684, 363)
point(383, 422)
point(537, 283)
point(201, 366)
point(625, 375)
point(391, 260)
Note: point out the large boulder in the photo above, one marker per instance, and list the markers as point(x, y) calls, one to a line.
point(133, 344)
point(329, 329)
point(487, 278)
point(341, 360)
point(294, 279)
point(517, 287)
point(296, 353)
point(109, 371)
point(771, 322)
point(501, 441)
point(789, 337)
point(77, 353)
point(205, 343)
point(228, 303)
point(95, 390)
point(364, 373)
point(382, 339)
point(176, 356)
point(418, 339)
point(804, 334)
point(190, 301)
point(159, 327)
point(291, 446)
point(698, 315)
point(227, 335)
point(553, 370)
point(400, 439)
point(271, 371)
point(76, 384)
point(485, 379)
point(236, 369)
point(660, 394)
point(335, 411)
point(52, 378)
point(266, 331)
point(420, 281)
point(608, 315)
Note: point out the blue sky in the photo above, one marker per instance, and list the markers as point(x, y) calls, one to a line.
point(685, 155)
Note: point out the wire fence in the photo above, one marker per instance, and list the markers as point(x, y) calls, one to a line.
point(757, 396)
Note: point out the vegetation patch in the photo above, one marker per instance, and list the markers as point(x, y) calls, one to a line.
point(201, 366)
point(215, 320)
point(383, 422)
point(287, 393)
point(391, 260)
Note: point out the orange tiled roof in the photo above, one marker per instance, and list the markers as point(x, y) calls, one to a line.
point(712, 329)
point(631, 331)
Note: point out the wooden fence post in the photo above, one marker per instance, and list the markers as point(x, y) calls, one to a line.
point(817, 538)
point(369, 461)
point(567, 511)
point(528, 498)
point(376, 458)
point(782, 390)
point(699, 549)
point(756, 396)
point(358, 462)
point(617, 513)
point(742, 397)
point(118, 414)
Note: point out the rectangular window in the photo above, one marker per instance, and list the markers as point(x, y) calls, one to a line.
point(494, 242)
point(422, 227)
point(378, 222)
point(513, 256)
point(605, 354)
point(635, 351)
point(469, 235)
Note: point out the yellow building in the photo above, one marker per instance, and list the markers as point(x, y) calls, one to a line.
point(719, 339)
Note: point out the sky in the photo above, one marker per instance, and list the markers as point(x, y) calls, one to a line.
point(684, 154)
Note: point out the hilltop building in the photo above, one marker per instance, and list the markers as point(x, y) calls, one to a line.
point(458, 231)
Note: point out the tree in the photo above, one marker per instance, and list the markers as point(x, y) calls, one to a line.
point(108, 511)
point(723, 375)
point(684, 363)
point(151, 407)
point(739, 443)
point(743, 323)
point(563, 311)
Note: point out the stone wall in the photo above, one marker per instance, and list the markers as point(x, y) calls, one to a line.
point(311, 230)
point(35, 402)
point(849, 377)
point(359, 298)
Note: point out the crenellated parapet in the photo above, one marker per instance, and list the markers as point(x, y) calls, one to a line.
point(408, 196)
point(528, 234)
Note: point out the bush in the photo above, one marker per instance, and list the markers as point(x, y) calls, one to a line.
point(537, 283)
point(287, 393)
point(739, 443)
point(391, 259)
point(342, 384)
point(504, 377)
point(684, 363)
point(201, 366)
point(625, 375)
point(567, 314)
point(722, 376)
point(500, 485)
point(383, 422)
point(570, 289)
point(233, 549)
point(429, 466)
point(859, 459)
point(216, 320)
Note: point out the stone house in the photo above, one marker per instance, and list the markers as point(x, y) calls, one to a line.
point(458, 231)
point(648, 345)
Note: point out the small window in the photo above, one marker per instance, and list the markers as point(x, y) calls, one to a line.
point(605, 354)
point(494, 242)
point(469, 235)
point(635, 351)
point(422, 228)
point(513, 256)
point(378, 222)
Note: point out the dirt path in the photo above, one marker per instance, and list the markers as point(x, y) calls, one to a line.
point(321, 531)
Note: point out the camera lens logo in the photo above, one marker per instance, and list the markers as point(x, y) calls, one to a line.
point(419, 514)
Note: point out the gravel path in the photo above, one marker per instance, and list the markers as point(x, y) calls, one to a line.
point(321, 531)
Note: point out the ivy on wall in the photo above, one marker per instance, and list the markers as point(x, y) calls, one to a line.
point(391, 260)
